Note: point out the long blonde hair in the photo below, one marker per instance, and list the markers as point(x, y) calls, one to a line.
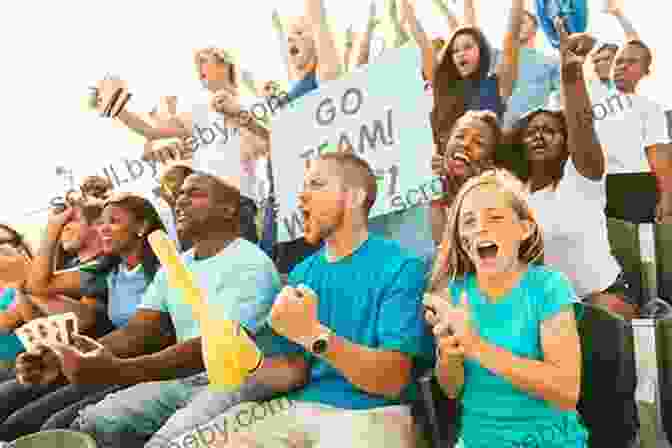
point(451, 260)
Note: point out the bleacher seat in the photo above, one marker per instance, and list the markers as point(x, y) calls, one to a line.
point(608, 378)
point(664, 356)
point(56, 438)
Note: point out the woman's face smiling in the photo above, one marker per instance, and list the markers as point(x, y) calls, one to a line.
point(470, 149)
point(118, 230)
point(466, 54)
point(490, 231)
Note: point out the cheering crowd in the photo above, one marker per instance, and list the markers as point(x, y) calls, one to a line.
point(484, 284)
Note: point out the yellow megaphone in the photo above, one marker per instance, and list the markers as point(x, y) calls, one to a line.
point(229, 354)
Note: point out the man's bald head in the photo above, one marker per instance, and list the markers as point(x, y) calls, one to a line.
point(209, 204)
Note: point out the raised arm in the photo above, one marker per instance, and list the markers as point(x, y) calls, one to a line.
point(582, 141)
point(365, 39)
point(470, 13)
point(410, 18)
point(402, 36)
point(614, 9)
point(449, 14)
point(349, 44)
point(136, 124)
point(41, 278)
point(507, 69)
point(282, 41)
point(329, 67)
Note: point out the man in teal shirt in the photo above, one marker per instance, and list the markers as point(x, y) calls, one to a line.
point(349, 326)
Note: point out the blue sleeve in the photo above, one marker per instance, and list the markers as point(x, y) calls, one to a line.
point(401, 324)
point(254, 291)
point(154, 298)
point(558, 296)
point(7, 298)
point(555, 77)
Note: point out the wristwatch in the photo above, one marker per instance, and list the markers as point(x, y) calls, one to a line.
point(320, 344)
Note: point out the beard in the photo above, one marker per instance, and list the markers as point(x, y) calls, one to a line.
point(318, 232)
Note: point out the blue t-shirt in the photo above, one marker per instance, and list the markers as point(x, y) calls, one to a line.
point(411, 228)
point(10, 344)
point(494, 412)
point(487, 97)
point(125, 290)
point(303, 86)
point(240, 284)
point(370, 302)
point(538, 78)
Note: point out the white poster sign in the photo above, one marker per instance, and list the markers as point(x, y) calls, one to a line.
point(383, 112)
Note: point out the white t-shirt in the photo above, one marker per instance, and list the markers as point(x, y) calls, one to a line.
point(626, 125)
point(574, 229)
point(219, 151)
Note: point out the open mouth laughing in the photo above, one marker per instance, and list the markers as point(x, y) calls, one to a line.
point(458, 163)
point(487, 250)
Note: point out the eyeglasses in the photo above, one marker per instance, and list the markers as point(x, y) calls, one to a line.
point(546, 132)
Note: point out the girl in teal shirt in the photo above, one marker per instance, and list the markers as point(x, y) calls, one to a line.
point(508, 345)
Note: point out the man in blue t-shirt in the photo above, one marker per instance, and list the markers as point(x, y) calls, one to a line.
point(348, 329)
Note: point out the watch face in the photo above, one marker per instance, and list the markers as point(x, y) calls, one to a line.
point(320, 346)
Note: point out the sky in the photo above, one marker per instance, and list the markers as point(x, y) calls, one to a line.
point(53, 55)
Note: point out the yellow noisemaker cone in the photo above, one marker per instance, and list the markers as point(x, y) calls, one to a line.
point(229, 354)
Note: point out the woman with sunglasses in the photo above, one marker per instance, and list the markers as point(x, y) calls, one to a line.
point(127, 220)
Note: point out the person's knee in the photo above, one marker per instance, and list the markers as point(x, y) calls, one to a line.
point(616, 305)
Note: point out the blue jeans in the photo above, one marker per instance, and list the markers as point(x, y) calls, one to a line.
point(153, 414)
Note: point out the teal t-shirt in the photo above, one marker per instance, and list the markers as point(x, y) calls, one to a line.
point(10, 344)
point(372, 298)
point(240, 284)
point(494, 412)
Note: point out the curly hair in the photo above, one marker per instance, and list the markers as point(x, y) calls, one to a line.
point(97, 187)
